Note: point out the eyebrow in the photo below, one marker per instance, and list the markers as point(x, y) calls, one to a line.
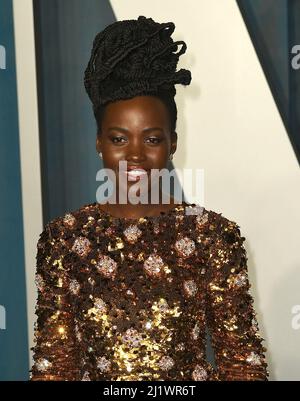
point(126, 130)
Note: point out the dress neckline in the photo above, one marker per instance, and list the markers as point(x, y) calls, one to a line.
point(146, 217)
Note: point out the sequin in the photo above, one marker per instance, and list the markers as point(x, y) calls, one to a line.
point(91, 281)
point(153, 265)
point(199, 373)
point(74, 287)
point(148, 325)
point(107, 266)
point(43, 364)
point(200, 355)
point(132, 338)
point(254, 326)
point(86, 377)
point(69, 220)
point(254, 359)
point(156, 229)
point(201, 219)
point(194, 210)
point(81, 246)
point(100, 305)
point(132, 233)
point(103, 364)
point(166, 363)
point(61, 330)
point(240, 280)
point(196, 331)
point(180, 347)
point(78, 333)
point(60, 282)
point(185, 247)
point(39, 282)
point(98, 309)
point(140, 256)
point(230, 324)
point(110, 231)
point(162, 305)
point(119, 244)
point(190, 288)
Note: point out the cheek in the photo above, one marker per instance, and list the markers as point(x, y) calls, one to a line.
point(159, 155)
point(112, 154)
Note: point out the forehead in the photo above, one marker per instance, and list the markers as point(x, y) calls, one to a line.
point(135, 111)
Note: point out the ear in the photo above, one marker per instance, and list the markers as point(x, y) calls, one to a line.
point(98, 143)
point(173, 142)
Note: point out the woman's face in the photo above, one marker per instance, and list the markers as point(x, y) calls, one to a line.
point(136, 130)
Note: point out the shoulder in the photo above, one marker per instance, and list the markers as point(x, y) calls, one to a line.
point(213, 222)
point(70, 222)
point(57, 235)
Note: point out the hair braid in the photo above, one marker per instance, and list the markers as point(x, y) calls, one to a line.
point(131, 58)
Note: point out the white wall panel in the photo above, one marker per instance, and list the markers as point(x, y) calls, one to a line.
point(228, 124)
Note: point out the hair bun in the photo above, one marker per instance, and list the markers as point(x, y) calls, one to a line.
point(134, 57)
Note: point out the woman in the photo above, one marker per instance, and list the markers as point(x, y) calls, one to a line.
point(126, 291)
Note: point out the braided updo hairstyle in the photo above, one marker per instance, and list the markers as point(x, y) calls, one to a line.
point(132, 58)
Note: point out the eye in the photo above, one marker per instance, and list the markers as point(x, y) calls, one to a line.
point(117, 139)
point(154, 140)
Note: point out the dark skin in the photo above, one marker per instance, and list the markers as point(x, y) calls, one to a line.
point(137, 143)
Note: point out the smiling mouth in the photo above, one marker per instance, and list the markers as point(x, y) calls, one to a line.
point(134, 174)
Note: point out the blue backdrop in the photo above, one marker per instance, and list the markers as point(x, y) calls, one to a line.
point(13, 312)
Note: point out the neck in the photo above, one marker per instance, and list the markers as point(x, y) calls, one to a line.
point(129, 210)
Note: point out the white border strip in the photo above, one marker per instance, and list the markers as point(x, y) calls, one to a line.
point(29, 147)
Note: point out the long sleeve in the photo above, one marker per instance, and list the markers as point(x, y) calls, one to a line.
point(55, 356)
point(231, 318)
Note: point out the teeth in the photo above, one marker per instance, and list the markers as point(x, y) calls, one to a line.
point(133, 174)
point(136, 172)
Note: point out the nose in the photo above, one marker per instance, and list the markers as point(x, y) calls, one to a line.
point(136, 152)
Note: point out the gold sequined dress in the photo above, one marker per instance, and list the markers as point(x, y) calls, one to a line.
point(130, 299)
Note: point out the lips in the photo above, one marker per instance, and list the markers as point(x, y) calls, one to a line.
point(134, 172)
